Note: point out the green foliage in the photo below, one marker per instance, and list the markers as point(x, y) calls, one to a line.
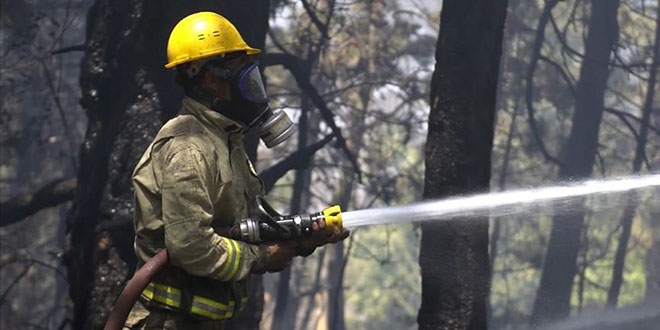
point(373, 74)
point(383, 283)
point(390, 114)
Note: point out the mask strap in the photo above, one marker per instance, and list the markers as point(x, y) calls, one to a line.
point(200, 95)
point(221, 107)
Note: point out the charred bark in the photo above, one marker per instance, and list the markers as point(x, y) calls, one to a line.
point(454, 254)
point(577, 159)
point(111, 79)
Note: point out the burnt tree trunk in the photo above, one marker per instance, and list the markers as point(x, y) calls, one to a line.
point(454, 254)
point(577, 160)
point(127, 94)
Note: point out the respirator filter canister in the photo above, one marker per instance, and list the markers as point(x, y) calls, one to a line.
point(276, 128)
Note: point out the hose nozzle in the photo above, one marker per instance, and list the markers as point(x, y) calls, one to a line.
point(268, 225)
point(332, 217)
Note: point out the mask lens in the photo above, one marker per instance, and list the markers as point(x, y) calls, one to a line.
point(251, 86)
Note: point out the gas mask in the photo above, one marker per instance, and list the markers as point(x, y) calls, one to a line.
point(249, 101)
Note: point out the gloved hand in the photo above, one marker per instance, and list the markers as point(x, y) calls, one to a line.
point(280, 255)
point(320, 236)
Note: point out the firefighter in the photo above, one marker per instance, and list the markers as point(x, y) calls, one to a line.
point(195, 180)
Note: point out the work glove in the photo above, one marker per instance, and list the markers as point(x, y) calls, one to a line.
point(319, 237)
point(279, 255)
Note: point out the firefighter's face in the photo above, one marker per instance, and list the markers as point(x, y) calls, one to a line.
point(219, 84)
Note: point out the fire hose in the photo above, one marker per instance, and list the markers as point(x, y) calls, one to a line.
point(265, 225)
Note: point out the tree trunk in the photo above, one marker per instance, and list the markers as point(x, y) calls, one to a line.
point(501, 186)
point(118, 87)
point(652, 262)
point(577, 160)
point(631, 206)
point(128, 95)
point(454, 254)
point(336, 319)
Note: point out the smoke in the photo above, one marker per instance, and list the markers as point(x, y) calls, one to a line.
point(644, 316)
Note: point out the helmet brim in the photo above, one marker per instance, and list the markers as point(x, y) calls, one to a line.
point(211, 53)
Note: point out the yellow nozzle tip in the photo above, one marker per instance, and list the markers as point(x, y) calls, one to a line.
point(332, 217)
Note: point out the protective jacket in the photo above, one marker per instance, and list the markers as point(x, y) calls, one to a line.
point(193, 181)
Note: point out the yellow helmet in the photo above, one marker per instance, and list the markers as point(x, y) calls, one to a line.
point(201, 35)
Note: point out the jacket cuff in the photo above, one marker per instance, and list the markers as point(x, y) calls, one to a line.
point(261, 259)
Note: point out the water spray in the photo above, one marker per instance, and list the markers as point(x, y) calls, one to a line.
point(268, 225)
point(493, 204)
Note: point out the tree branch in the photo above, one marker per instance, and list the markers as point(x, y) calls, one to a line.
point(620, 114)
point(296, 160)
point(295, 65)
point(315, 49)
point(24, 205)
point(576, 55)
point(638, 139)
point(536, 53)
point(323, 28)
point(14, 282)
point(562, 72)
point(74, 48)
point(277, 44)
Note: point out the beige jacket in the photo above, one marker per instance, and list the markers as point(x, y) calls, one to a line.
point(193, 181)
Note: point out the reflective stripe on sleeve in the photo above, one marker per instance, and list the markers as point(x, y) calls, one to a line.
point(163, 294)
point(233, 260)
point(238, 259)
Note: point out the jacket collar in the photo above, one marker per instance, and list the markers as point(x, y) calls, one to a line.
point(211, 117)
